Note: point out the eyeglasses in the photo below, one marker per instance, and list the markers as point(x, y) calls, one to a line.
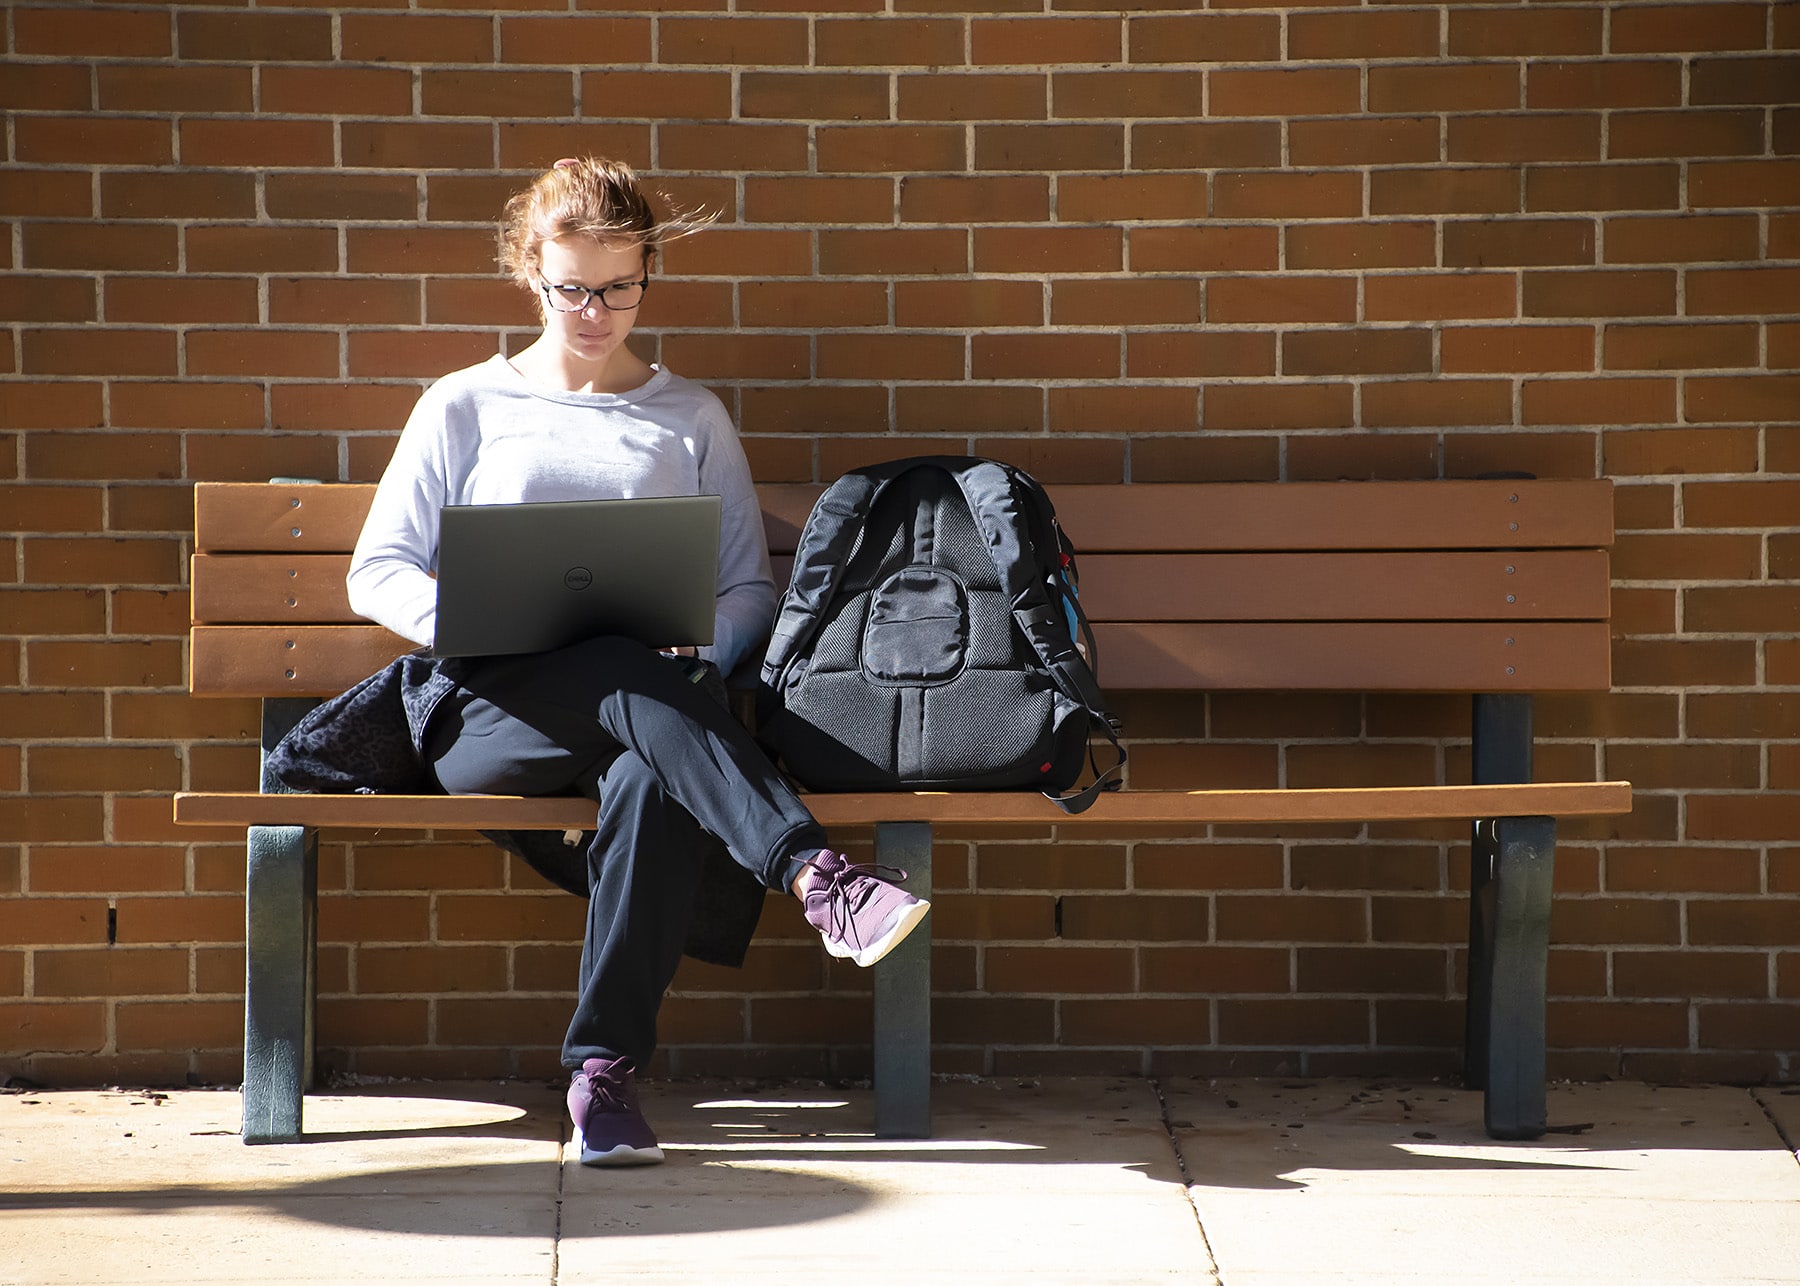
point(620, 297)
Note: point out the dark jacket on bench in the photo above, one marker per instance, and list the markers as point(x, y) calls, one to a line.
point(369, 740)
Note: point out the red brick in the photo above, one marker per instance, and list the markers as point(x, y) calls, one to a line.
point(1598, 401)
point(1438, 87)
point(51, 1027)
point(813, 95)
point(79, 455)
point(1446, 191)
point(496, 93)
point(970, 96)
point(1611, 84)
point(1769, 79)
point(120, 247)
point(338, 91)
point(429, 251)
point(47, 299)
point(1192, 354)
point(1445, 296)
point(656, 95)
point(1536, 136)
point(259, 144)
point(425, 354)
point(1011, 250)
point(1689, 239)
point(1687, 28)
point(1205, 145)
point(579, 40)
point(1127, 198)
point(1658, 451)
point(416, 145)
point(1363, 34)
point(1750, 1027)
point(1600, 293)
point(1009, 199)
point(417, 38)
point(262, 249)
point(254, 37)
point(1423, 404)
point(1118, 95)
point(1285, 298)
point(1741, 291)
point(1680, 347)
point(1731, 922)
point(890, 356)
point(1727, 184)
point(1518, 242)
point(1643, 135)
point(739, 40)
point(1049, 147)
point(1140, 301)
point(1356, 352)
point(1488, 33)
point(144, 88)
point(984, 410)
point(1122, 410)
point(738, 356)
point(1276, 406)
point(1740, 398)
point(51, 194)
point(823, 409)
point(1204, 38)
point(93, 140)
point(338, 300)
point(1359, 455)
point(968, 304)
point(883, 41)
point(816, 305)
point(1217, 248)
point(328, 407)
point(1361, 245)
point(91, 33)
point(219, 300)
point(1496, 349)
point(99, 350)
point(1602, 187)
point(880, 148)
point(187, 405)
point(1373, 140)
point(837, 200)
point(1303, 91)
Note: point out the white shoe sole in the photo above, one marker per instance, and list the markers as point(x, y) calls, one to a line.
point(903, 924)
point(622, 1155)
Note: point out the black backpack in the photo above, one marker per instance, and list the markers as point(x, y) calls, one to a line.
point(926, 640)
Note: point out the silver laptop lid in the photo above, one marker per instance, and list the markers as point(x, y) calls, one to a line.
point(538, 576)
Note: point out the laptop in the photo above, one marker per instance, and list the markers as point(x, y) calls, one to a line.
point(533, 577)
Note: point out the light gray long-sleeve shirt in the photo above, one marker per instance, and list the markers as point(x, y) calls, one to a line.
point(483, 435)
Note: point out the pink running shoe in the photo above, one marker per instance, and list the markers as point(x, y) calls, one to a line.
point(861, 915)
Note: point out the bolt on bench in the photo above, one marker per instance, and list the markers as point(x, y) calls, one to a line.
point(1498, 589)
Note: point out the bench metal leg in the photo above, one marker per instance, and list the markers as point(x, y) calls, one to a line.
point(903, 997)
point(280, 939)
point(1507, 969)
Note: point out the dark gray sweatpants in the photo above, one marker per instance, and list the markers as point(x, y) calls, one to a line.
point(670, 770)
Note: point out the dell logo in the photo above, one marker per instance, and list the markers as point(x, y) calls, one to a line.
point(577, 578)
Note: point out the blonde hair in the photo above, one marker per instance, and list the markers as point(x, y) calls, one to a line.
point(585, 196)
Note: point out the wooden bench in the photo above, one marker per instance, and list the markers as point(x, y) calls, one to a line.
point(1498, 589)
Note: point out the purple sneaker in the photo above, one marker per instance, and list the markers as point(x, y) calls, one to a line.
point(861, 915)
point(609, 1128)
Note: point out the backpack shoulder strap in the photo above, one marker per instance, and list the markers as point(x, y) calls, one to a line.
point(826, 544)
point(1006, 503)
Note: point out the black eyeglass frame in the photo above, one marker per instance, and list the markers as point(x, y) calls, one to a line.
point(591, 293)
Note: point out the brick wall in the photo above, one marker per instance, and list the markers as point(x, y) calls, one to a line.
point(1110, 242)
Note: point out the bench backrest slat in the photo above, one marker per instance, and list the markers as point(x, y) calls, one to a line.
point(1488, 586)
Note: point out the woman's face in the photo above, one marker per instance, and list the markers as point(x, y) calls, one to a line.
point(595, 333)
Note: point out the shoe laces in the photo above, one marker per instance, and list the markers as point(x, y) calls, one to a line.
point(609, 1090)
point(851, 885)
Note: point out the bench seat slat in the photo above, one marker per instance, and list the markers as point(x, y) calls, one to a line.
point(1561, 584)
point(506, 812)
point(242, 588)
point(1564, 584)
point(1450, 514)
point(1305, 656)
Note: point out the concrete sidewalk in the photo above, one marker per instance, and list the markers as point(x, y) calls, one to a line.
point(1248, 1183)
